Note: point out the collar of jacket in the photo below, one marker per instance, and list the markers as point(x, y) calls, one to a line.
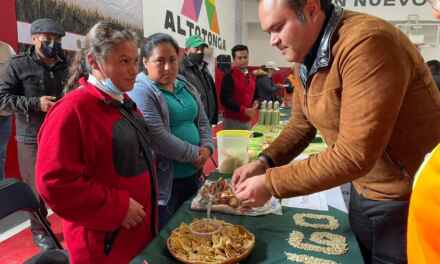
point(323, 55)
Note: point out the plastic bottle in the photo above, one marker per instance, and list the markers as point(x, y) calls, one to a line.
point(262, 113)
point(268, 119)
point(276, 116)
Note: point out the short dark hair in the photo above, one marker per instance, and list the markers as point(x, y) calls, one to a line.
point(434, 66)
point(239, 47)
point(298, 6)
point(154, 41)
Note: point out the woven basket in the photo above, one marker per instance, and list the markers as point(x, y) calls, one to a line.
point(243, 256)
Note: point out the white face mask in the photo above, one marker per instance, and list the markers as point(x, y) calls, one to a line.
point(108, 86)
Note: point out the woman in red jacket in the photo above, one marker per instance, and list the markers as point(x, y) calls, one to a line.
point(94, 167)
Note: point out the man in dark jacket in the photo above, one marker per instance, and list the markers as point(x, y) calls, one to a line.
point(265, 89)
point(195, 70)
point(32, 83)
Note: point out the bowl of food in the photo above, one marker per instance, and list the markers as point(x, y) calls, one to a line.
point(205, 227)
point(231, 244)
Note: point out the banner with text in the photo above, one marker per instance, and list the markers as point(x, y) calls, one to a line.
point(212, 20)
point(394, 10)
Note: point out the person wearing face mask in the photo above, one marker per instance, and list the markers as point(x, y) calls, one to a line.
point(94, 167)
point(195, 70)
point(32, 83)
point(238, 92)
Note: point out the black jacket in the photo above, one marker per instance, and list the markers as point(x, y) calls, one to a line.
point(265, 89)
point(203, 81)
point(26, 80)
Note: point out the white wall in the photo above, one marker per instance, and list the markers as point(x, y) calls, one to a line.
point(260, 49)
point(392, 10)
point(430, 53)
point(258, 41)
point(389, 9)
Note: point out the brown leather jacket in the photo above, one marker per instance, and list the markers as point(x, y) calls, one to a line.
point(375, 104)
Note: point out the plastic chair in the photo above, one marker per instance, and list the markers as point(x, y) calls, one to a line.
point(20, 197)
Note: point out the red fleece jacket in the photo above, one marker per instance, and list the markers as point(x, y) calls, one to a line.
point(89, 164)
point(237, 90)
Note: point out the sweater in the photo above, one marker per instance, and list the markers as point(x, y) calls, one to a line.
point(89, 163)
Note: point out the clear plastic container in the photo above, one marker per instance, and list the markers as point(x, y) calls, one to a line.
point(232, 146)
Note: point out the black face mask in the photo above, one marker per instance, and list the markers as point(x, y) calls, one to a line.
point(196, 58)
point(51, 49)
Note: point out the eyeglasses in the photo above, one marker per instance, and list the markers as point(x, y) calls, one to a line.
point(162, 62)
point(435, 4)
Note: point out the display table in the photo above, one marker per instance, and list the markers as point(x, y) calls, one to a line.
point(271, 231)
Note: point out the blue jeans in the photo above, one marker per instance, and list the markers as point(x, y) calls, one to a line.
point(5, 132)
point(380, 228)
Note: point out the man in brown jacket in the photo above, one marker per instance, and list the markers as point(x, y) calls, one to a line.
point(366, 88)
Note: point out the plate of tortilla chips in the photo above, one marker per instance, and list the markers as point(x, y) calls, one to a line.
point(225, 244)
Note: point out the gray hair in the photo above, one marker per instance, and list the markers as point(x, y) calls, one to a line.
point(104, 36)
point(100, 41)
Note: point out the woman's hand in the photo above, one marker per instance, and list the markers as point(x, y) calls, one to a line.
point(135, 214)
point(204, 155)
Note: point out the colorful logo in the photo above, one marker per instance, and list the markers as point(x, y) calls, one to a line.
point(191, 9)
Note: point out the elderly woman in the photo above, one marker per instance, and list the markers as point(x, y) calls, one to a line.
point(175, 120)
point(94, 167)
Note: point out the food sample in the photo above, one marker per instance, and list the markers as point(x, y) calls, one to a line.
point(221, 192)
point(229, 244)
point(218, 196)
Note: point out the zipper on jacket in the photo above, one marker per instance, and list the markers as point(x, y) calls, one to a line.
point(109, 240)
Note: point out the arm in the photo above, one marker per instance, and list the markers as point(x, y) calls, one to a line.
point(163, 142)
point(227, 94)
point(212, 85)
point(369, 109)
point(12, 97)
point(62, 179)
point(204, 129)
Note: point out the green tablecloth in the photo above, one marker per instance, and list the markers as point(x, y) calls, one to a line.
point(271, 232)
point(316, 146)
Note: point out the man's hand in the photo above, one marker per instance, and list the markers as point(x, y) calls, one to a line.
point(247, 171)
point(253, 191)
point(204, 154)
point(46, 102)
point(135, 214)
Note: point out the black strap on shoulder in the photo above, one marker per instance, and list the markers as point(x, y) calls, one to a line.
point(127, 109)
